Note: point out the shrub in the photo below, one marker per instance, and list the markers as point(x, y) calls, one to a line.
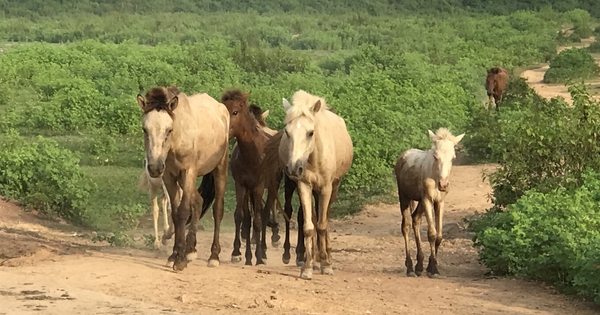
point(553, 237)
point(571, 64)
point(594, 47)
point(43, 176)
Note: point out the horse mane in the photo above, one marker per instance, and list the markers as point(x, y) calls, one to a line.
point(232, 95)
point(269, 166)
point(257, 112)
point(302, 103)
point(158, 99)
point(444, 134)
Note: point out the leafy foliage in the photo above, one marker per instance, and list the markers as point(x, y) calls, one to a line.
point(571, 64)
point(43, 176)
point(551, 236)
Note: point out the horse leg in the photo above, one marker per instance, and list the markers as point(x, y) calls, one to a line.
point(175, 201)
point(416, 220)
point(432, 270)
point(240, 196)
point(316, 238)
point(220, 174)
point(334, 193)
point(196, 211)
point(166, 204)
point(305, 191)
point(322, 226)
point(153, 197)
point(257, 213)
point(246, 227)
point(439, 219)
point(274, 224)
point(243, 225)
point(180, 217)
point(405, 209)
point(290, 187)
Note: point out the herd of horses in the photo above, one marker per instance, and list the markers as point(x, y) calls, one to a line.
point(188, 136)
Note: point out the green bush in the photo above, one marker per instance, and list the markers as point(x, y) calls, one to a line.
point(594, 47)
point(43, 176)
point(571, 64)
point(552, 236)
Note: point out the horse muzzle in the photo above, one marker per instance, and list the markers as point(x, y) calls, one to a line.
point(295, 170)
point(443, 185)
point(156, 170)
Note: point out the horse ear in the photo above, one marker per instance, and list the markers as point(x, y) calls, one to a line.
point(246, 96)
point(141, 101)
point(458, 138)
point(432, 135)
point(316, 107)
point(286, 105)
point(173, 103)
point(495, 70)
point(265, 114)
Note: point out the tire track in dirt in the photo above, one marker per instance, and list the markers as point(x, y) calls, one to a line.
point(535, 77)
point(368, 257)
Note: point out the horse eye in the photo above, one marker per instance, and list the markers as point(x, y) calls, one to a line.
point(235, 113)
point(310, 134)
point(144, 130)
point(169, 132)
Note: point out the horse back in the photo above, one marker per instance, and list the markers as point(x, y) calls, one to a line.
point(410, 175)
point(339, 139)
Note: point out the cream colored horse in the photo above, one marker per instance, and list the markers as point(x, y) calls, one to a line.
point(153, 186)
point(186, 137)
point(316, 151)
point(422, 178)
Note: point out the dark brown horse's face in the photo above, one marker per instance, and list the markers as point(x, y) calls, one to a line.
point(237, 109)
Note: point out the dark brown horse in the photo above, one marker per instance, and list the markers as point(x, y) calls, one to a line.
point(495, 84)
point(245, 165)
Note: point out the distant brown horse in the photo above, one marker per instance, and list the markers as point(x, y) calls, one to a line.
point(186, 137)
point(245, 165)
point(422, 178)
point(495, 84)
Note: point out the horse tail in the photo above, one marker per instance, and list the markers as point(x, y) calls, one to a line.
point(143, 182)
point(207, 191)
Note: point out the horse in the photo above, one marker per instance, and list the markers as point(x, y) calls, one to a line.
point(422, 179)
point(495, 84)
point(246, 158)
point(315, 151)
point(153, 185)
point(186, 137)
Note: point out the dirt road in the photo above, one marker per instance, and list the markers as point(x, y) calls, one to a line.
point(535, 78)
point(58, 272)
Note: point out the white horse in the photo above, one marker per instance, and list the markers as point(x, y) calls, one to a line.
point(154, 186)
point(422, 178)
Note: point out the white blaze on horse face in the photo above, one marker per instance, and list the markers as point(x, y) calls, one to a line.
point(444, 155)
point(158, 126)
point(299, 144)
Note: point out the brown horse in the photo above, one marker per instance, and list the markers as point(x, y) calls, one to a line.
point(495, 84)
point(422, 178)
point(186, 137)
point(315, 151)
point(245, 165)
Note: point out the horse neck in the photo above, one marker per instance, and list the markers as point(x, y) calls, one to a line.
point(184, 117)
point(251, 140)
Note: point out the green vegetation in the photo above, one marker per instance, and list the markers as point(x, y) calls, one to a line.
point(571, 64)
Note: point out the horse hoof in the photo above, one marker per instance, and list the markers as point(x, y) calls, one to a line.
point(306, 274)
point(261, 262)
point(275, 244)
point(419, 273)
point(434, 275)
point(169, 264)
point(179, 265)
point(327, 271)
point(299, 263)
point(236, 259)
point(285, 260)
point(214, 262)
point(191, 256)
point(317, 268)
point(156, 244)
point(411, 274)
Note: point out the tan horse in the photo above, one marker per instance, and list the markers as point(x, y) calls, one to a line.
point(153, 186)
point(495, 84)
point(186, 137)
point(422, 178)
point(316, 151)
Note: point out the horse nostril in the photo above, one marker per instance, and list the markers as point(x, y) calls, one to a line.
point(300, 169)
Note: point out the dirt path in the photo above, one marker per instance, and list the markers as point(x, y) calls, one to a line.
point(535, 77)
point(56, 272)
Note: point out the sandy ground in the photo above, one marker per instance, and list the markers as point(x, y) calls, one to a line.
point(53, 268)
point(535, 78)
